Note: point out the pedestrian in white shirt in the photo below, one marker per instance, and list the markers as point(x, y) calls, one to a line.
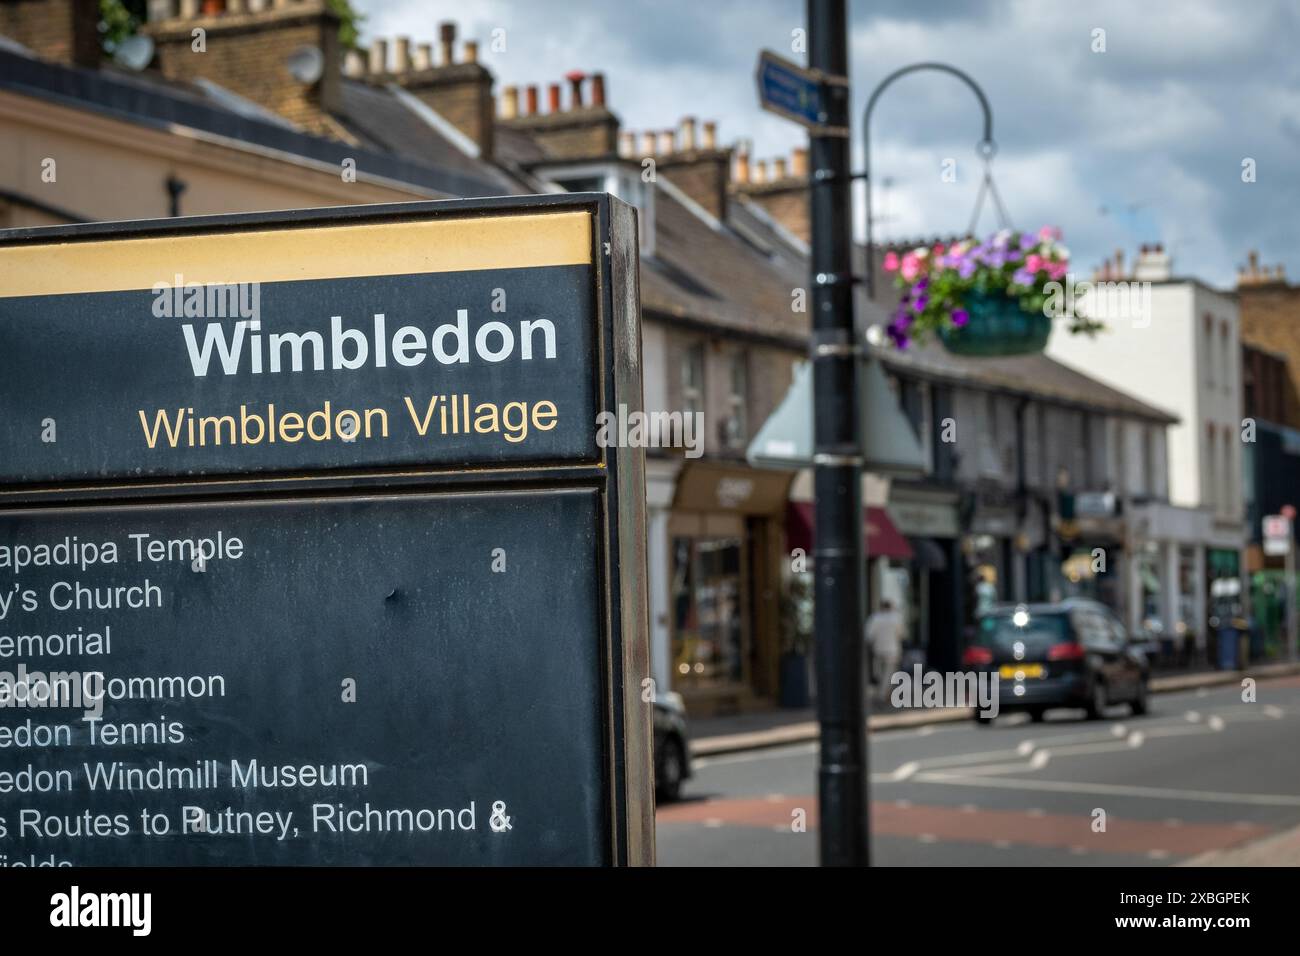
point(885, 642)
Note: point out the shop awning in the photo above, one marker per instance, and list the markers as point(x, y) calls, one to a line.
point(883, 539)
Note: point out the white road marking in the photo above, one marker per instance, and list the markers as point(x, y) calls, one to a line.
point(1273, 711)
point(1119, 790)
point(1158, 854)
point(1216, 722)
point(713, 823)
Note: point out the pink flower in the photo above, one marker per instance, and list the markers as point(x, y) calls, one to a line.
point(911, 266)
point(1049, 233)
point(1034, 262)
point(891, 261)
point(1057, 270)
point(938, 249)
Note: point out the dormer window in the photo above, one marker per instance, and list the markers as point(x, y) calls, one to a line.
point(616, 178)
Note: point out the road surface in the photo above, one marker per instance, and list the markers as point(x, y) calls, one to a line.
point(1202, 772)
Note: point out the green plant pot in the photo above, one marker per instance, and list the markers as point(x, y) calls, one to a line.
point(997, 326)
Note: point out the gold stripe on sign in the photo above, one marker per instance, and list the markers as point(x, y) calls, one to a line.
point(294, 254)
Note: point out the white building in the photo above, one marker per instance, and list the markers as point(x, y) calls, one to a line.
point(1174, 342)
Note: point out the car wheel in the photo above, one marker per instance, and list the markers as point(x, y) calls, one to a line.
point(1139, 704)
point(1037, 713)
point(672, 771)
point(1097, 700)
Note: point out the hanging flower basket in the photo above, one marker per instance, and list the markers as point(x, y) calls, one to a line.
point(995, 297)
point(996, 325)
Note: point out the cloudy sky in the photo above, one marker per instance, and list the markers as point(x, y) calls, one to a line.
point(1142, 142)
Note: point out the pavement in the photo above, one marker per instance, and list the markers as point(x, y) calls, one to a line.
point(1204, 779)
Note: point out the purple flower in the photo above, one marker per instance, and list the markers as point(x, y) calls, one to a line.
point(1027, 241)
point(996, 259)
point(960, 317)
point(920, 303)
point(1023, 277)
point(921, 284)
point(966, 269)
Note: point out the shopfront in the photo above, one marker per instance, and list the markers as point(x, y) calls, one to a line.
point(724, 558)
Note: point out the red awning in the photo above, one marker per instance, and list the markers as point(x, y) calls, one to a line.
point(883, 539)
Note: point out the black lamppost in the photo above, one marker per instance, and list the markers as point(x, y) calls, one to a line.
point(987, 148)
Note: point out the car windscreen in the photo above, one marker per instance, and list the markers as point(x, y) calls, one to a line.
point(1037, 632)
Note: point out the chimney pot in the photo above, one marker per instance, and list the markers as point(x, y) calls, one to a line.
point(471, 51)
point(1253, 256)
point(598, 89)
point(256, 6)
point(281, 4)
point(446, 43)
point(760, 171)
point(160, 10)
point(354, 64)
point(378, 57)
point(575, 78)
point(402, 55)
point(530, 99)
point(666, 144)
point(648, 143)
point(189, 9)
point(235, 6)
point(799, 162)
point(553, 98)
point(510, 102)
point(778, 169)
point(742, 167)
point(423, 58)
point(687, 128)
point(710, 135)
point(626, 144)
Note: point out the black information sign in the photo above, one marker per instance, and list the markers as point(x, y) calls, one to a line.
point(308, 552)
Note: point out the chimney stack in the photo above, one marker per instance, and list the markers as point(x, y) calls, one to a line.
point(627, 144)
point(666, 142)
point(402, 55)
point(778, 170)
point(553, 98)
point(459, 92)
point(530, 99)
point(354, 64)
point(247, 48)
point(648, 143)
point(598, 89)
point(760, 171)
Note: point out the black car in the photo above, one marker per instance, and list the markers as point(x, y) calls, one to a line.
point(672, 748)
point(1075, 653)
